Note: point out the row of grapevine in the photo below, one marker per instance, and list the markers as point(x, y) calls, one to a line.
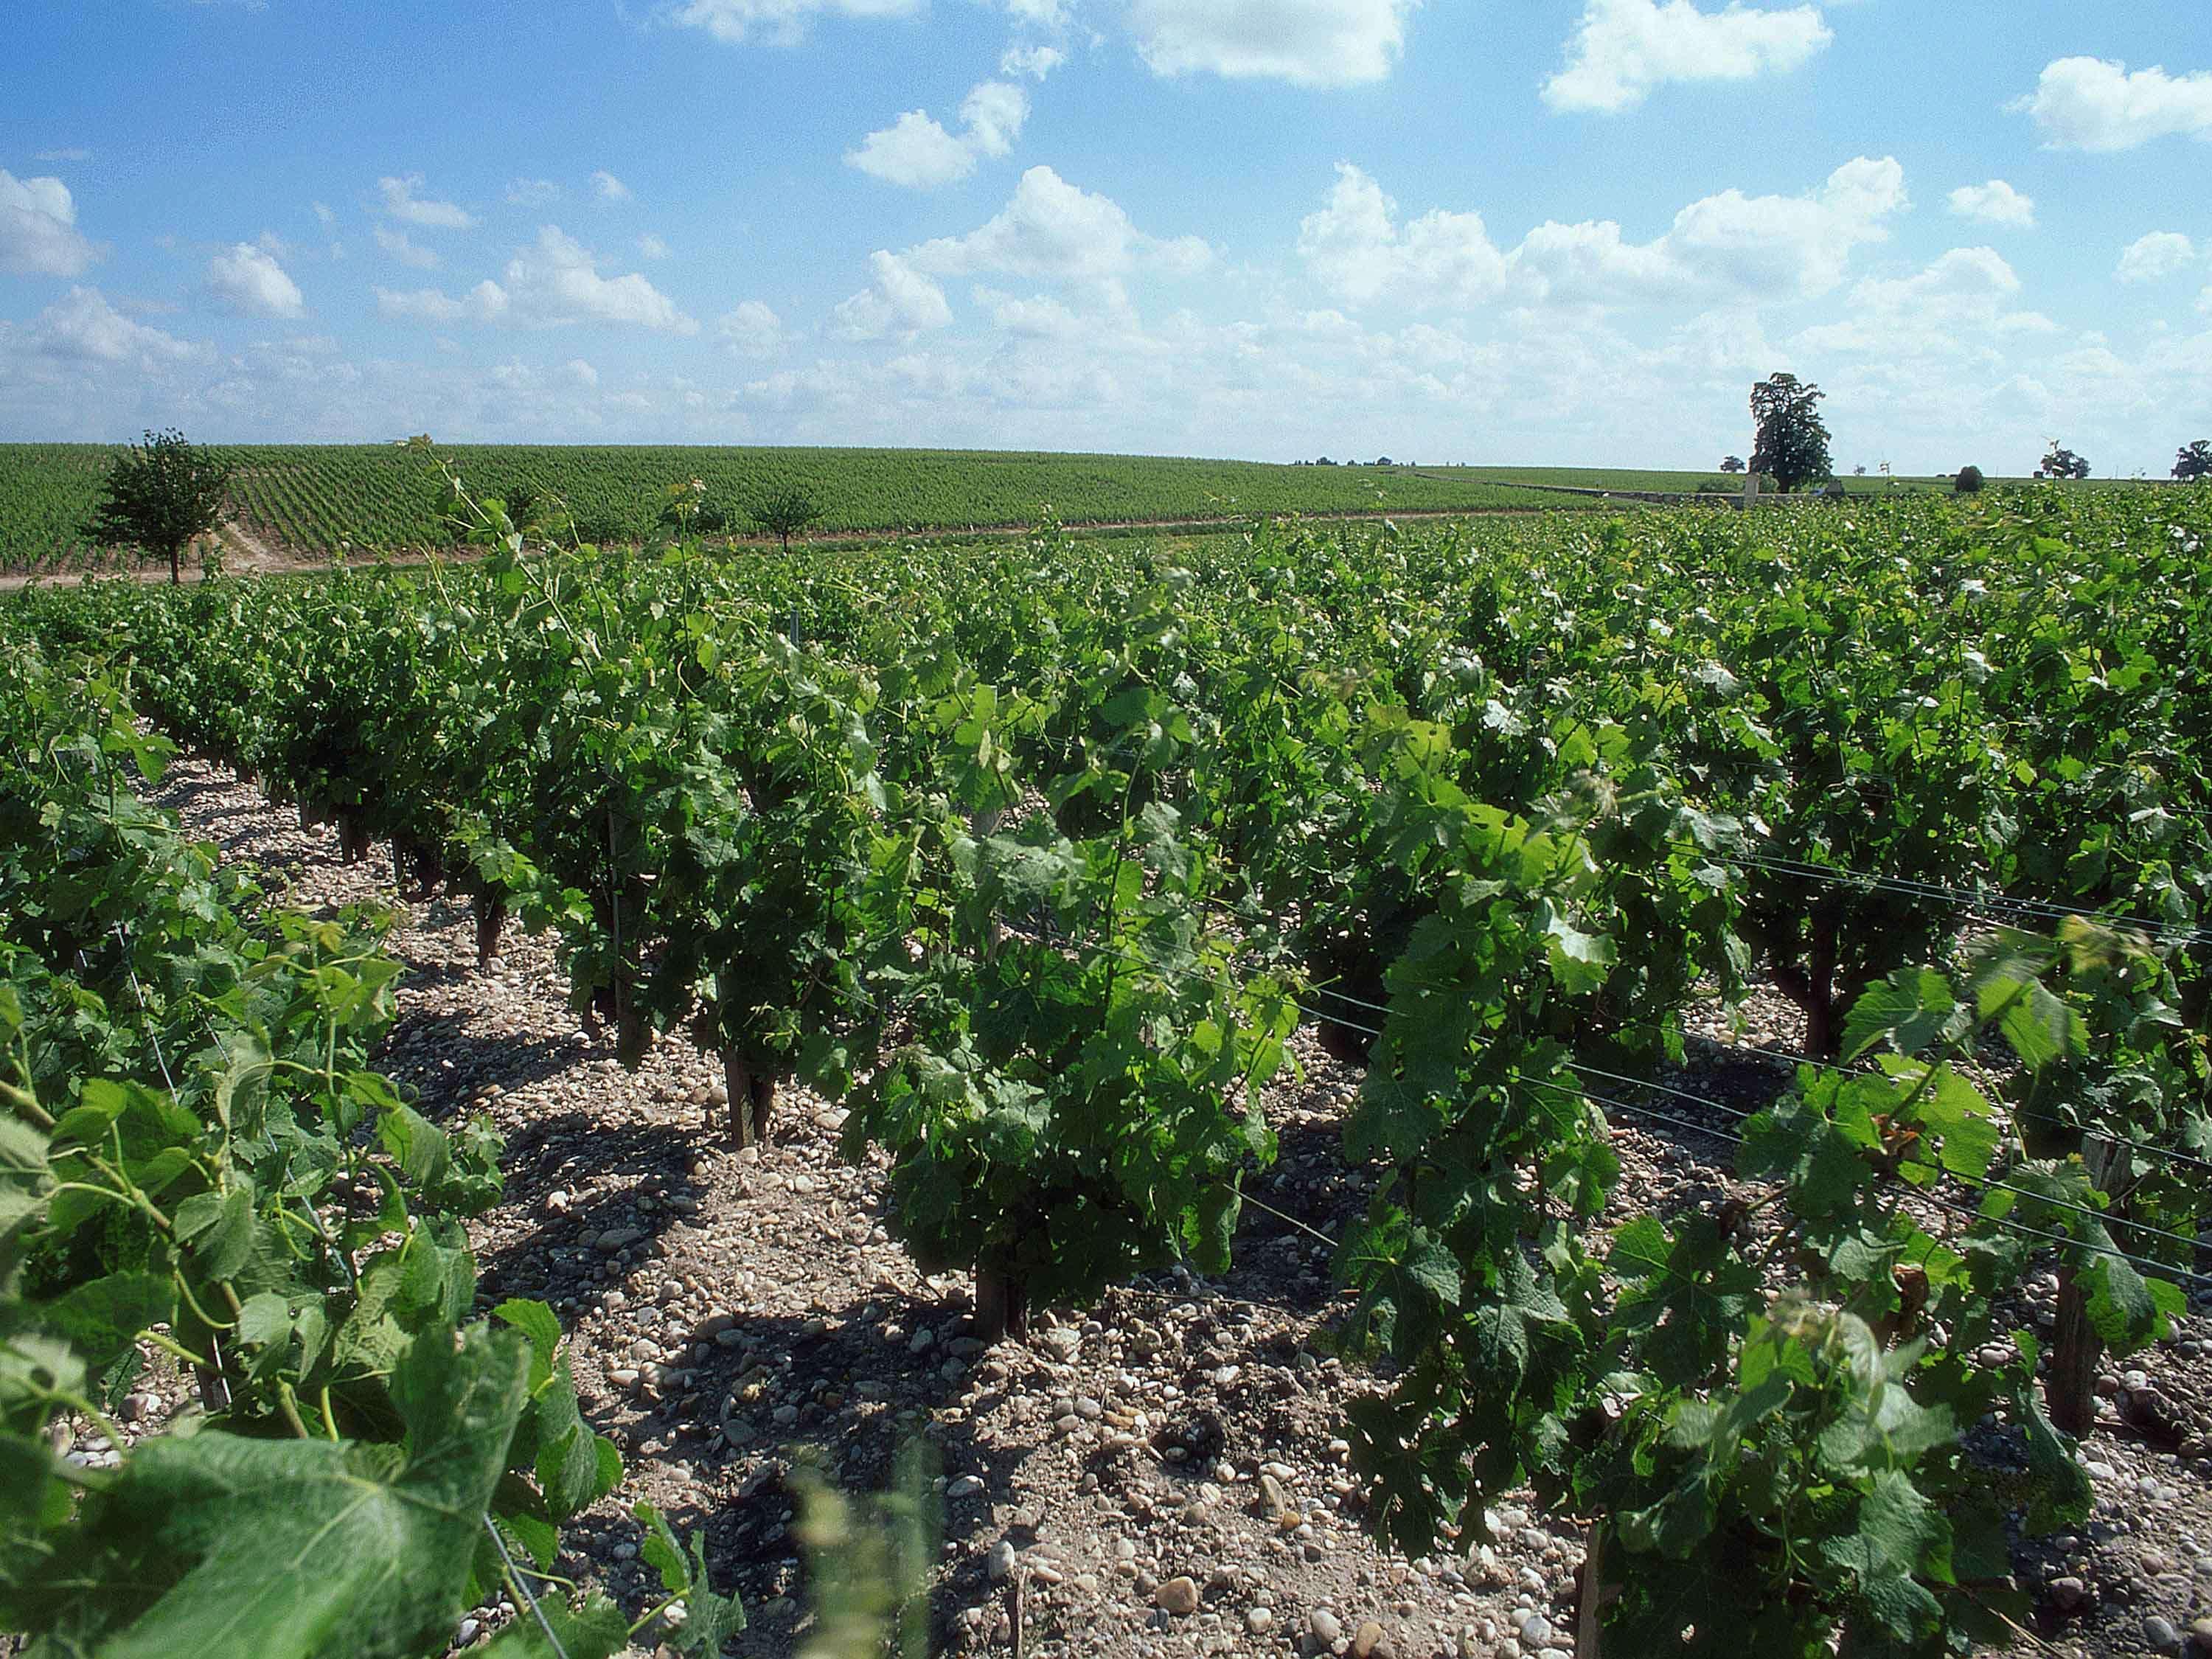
point(1035, 857)
point(48, 493)
point(369, 499)
point(196, 1167)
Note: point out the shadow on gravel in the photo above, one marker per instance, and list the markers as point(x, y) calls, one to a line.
point(180, 795)
point(829, 1392)
point(435, 976)
point(419, 1040)
point(1748, 1083)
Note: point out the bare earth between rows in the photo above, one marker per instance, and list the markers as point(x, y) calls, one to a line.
point(731, 1311)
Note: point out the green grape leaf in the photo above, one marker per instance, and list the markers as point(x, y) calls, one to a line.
point(100, 1320)
point(710, 1620)
point(1897, 1530)
point(2040, 1027)
point(219, 1226)
point(1580, 961)
point(302, 1549)
point(537, 1323)
point(1913, 1008)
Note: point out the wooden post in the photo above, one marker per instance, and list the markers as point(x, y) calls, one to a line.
point(1596, 1595)
point(2071, 1391)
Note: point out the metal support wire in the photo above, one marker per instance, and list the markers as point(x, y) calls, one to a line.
point(520, 1580)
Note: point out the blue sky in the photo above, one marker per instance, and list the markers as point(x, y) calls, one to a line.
point(1532, 231)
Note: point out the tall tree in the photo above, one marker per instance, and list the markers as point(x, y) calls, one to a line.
point(2062, 463)
point(2194, 462)
point(1732, 463)
point(1793, 440)
point(159, 496)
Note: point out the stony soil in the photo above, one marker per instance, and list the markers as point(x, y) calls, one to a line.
point(1163, 1476)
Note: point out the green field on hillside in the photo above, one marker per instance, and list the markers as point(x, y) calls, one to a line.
point(1649, 482)
point(385, 498)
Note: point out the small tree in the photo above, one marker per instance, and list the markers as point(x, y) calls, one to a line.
point(2062, 463)
point(2194, 462)
point(1793, 440)
point(1969, 481)
point(159, 497)
point(784, 512)
point(1732, 463)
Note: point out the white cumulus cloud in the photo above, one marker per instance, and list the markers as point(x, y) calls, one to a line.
point(2162, 255)
point(1035, 62)
point(901, 301)
point(780, 22)
point(1995, 203)
point(1789, 244)
point(751, 331)
point(916, 152)
point(83, 325)
point(1308, 42)
point(1051, 229)
point(1729, 247)
point(38, 229)
point(555, 282)
point(581, 372)
point(993, 115)
point(1970, 290)
point(486, 302)
point(405, 248)
point(609, 188)
point(652, 248)
point(2089, 103)
point(248, 281)
point(401, 201)
point(1623, 49)
point(1356, 249)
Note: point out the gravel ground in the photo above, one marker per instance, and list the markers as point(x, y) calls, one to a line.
point(1160, 1477)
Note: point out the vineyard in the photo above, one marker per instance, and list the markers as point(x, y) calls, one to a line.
point(1636, 481)
point(386, 499)
point(1043, 865)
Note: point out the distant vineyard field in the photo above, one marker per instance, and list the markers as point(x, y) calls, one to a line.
point(1631, 480)
point(382, 498)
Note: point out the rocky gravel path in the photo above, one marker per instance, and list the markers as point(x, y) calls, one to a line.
point(1163, 1476)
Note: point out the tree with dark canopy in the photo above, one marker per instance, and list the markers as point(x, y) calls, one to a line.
point(2062, 463)
point(1793, 440)
point(159, 497)
point(784, 512)
point(2194, 462)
